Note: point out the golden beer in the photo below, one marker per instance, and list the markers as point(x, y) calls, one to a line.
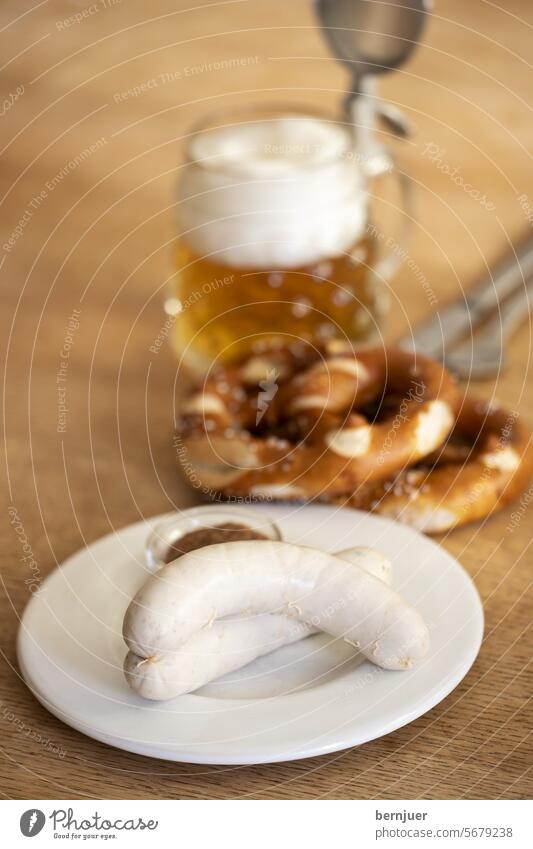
point(274, 243)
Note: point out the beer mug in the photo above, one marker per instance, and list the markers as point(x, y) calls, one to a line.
point(275, 239)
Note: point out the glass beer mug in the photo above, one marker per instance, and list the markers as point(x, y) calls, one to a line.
point(275, 242)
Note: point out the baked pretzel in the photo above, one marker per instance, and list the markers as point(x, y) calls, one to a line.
point(486, 463)
point(294, 423)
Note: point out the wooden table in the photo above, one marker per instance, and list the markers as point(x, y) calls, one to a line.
point(91, 149)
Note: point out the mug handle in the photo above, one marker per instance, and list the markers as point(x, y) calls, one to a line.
point(379, 161)
point(391, 260)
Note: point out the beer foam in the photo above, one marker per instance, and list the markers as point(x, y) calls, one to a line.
point(276, 193)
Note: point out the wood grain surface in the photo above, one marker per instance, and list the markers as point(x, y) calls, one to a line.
point(98, 241)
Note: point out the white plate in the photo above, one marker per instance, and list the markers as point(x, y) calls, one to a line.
point(306, 699)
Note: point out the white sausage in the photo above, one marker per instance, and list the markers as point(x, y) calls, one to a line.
point(210, 653)
point(229, 644)
point(255, 577)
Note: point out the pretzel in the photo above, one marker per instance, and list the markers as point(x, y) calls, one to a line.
point(487, 462)
point(292, 423)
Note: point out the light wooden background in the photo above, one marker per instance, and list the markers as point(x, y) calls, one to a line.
point(99, 242)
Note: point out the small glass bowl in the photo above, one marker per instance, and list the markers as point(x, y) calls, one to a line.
point(167, 533)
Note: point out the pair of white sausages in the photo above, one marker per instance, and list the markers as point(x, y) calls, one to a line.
point(180, 637)
point(228, 644)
